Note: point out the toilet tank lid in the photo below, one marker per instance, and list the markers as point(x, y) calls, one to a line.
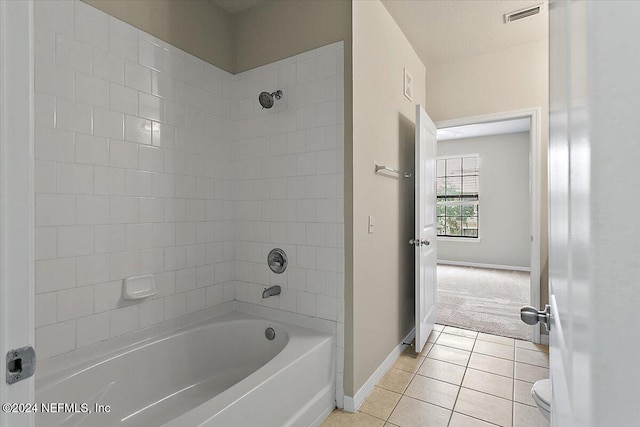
point(541, 391)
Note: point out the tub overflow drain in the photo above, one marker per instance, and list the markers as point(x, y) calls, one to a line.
point(270, 334)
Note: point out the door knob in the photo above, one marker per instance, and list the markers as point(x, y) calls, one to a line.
point(531, 316)
point(414, 242)
point(425, 242)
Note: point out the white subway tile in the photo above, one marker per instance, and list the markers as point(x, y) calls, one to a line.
point(139, 236)
point(108, 181)
point(162, 85)
point(54, 144)
point(174, 258)
point(137, 76)
point(151, 209)
point(45, 177)
point(124, 264)
point(91, 90)
point(125, 320)
point(151, 260)
point(151, 55)
point(165, 283)
point(137, 130)
point(46, 243)
point(124, 210)
point(123, 99)
point(92, 269)
point(54, 80)
point(163, 185)
point(174, 306)
point(108, 66)
point(55, 274)
point(123, 154)
point(108, 123)
point(91, 30)
point(93, 329)
point(74, 179)
point(185, 279)
point(92, 150)
point(164, 135)
point(213, 295)
point(164, 234)
point(75, 240)
point(73, 303)
point(56, 339)
point(54, 209)
point(306, 303)
point(74, 54)
point(151, 158)
point(45, 309)
point(151, 312)
point(195, 300)
point(55, 15)
point(123, 44)
point(44, 44)
point(109, 238)
point(44, 110)
point(150, 107)
point(107, 296)
point(137, 183)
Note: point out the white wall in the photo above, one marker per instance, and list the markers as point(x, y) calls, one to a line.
point(382, 288)
point(504, 211)
point(289, 186)
point(133, 175)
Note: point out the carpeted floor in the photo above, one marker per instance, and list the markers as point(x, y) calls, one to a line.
point(483, 300)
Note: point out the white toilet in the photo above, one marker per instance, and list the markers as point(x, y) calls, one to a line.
point(541, 393)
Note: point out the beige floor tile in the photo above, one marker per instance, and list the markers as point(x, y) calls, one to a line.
point(530, 373)
point(433, 391)
point(449, 354)
point(442, 371)
point(522, 393)
point(496, 339)
point(426, 349)
point(380, 403)
point(484, 406)
point(531, 346)
point(409, 361)
point(433, 336)
point(395, 380)
point(493, 349)
point(528, 416)
point(460, 420)
point(456, 341)
point(495, 365)
point(438, 327)
point(388, 424)
point(345, 419)
point(415, 413)
point(460, 332)
point(485, 382)
point(537, 358)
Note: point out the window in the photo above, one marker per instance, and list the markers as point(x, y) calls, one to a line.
point(457, 196)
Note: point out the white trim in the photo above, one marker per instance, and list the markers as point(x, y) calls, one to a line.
point(457, 156)
point(352, 404)
point(480, 265)
point(535, 143)
point(544, 339)
point(16, 196)
point(459, 239)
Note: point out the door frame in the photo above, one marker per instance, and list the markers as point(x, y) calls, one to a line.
point(535, 143)
point(17, 324)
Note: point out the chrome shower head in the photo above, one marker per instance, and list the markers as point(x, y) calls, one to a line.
point(266, 98)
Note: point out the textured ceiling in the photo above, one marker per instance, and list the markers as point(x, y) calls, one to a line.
point(235, 6)
point(444, 31)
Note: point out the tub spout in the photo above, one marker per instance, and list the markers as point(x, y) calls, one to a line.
point(273, 290)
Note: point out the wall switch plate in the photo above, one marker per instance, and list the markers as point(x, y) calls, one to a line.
point(370, 227)
point(408, 85)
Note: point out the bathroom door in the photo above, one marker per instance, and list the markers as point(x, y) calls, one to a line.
point(16, 203)
point(425, 227)
point(593, 168)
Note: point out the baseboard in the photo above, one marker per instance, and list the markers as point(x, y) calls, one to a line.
point(351, 404)
point(480, 265)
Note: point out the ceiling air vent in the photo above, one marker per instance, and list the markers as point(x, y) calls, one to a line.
point(523, 13)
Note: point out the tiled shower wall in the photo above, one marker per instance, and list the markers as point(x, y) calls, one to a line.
point(289, 186)
point(149, 160)
point(133, 175)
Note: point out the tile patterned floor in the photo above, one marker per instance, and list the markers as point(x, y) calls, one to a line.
point(460, 379)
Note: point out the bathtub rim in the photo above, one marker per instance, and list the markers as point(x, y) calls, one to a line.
point(57, 368)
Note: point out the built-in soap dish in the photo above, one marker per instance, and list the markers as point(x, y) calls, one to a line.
point(138, 287)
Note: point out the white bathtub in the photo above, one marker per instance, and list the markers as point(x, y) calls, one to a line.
point(221, 372)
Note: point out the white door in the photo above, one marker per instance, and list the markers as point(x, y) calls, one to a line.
point(594, 273)
point(16, 202)
point(425, 229)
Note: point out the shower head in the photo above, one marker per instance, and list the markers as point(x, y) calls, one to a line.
point(266, 98)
